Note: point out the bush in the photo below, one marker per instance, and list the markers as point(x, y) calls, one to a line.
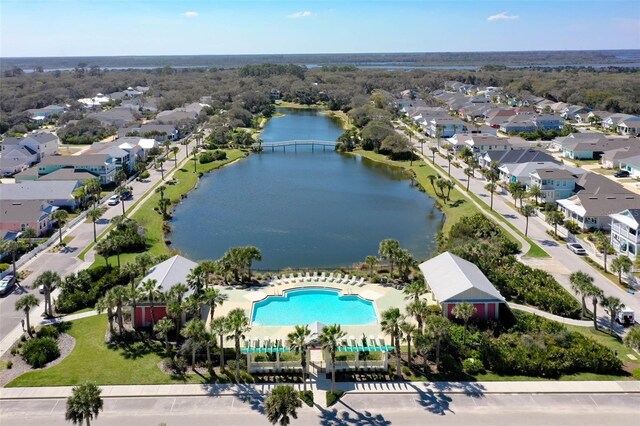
point(83, 289)
point(210, 156)
point(307, 397)
point(48, 331)
point(4, 267)
point(472, 366)
point(10, 366)
point(38, 352)
point(144, 174)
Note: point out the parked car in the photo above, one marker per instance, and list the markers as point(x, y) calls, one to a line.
point(625, 317)
point(125, 195)
point(621, 174)
point(6, 284)
point(113, 200)
point(577, 248)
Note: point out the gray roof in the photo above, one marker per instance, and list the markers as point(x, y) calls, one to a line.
point(38, 190)
point(550, 173)
point(604, 204)
point(25, 150)
point(24, 211)
point(67, 174)
point(596, 184)
point(520, 156)
point(453, 279)
point(76, 160)
point(39, 138)
point(171, 272)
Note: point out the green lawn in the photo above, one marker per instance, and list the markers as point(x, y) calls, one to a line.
point(152, 221)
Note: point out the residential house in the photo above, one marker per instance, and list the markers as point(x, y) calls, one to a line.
point(115, 117)
point(16, 216)
point(176, 115)
point(521, 172)
point(555, 182)
point(130, 92)
point(590, 148)
point(102, 165)
point(632, 165)
point(515, 156)
point(9, 166)
point(479, 143)
point(625, 232)
point(597, 198)
point(497, 118)
point(41, 143)
point(446, 126)
point(592, 117)
point(67, 174)
point(611, 122)
point(42, 114)
point(570, 112)
point(518, 124)
point(95, 102)
point(16, 158)
point(159, 132)
point(55, 193)
point(611, 159)
point(548, 121)
point(629, 126)
point(123, 159)
point(453, 281)
point(167, 275)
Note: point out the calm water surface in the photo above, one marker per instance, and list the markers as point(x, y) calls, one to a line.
point(304, 209)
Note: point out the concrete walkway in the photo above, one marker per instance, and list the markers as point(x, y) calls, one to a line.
point(557, 318)
point(468, 388)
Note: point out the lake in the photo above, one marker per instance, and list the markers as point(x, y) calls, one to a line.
point(302, 208)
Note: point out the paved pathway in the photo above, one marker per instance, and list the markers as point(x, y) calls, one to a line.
point(66, 261)
point(557, 318)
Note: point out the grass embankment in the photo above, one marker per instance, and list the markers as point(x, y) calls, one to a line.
point(152, 221)
point(283, 104)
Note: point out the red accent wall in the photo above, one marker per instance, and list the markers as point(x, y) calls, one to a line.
point(492, 310)
point(159, 312)
point(480, 311)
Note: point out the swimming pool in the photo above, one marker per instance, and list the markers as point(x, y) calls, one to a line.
point(306, 305)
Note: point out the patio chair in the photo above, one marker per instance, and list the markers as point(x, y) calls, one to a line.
point(338, 278)
point(300, 277)
point(360, 282)
point(353, 280)
point(323, 277)
point(315, 276)
point(292, 279)
point(307, 277)
point(331, 278)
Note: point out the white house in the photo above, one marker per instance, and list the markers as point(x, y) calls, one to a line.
point(625, 237)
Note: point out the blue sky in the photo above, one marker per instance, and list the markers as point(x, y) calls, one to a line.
point(162, 27)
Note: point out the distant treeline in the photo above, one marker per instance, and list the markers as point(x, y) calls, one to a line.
point(341, 88)
point(433, 58)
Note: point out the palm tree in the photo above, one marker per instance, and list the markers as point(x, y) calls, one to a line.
point(491, 187)
point(84, 404)
point(120, 296)
point(580, 284)
point(193, 330)
point(60, 216)
point(28, 234)
point(388, 249)
point(438, 329)
point(12, 247)
point(238, 326)
point(527, 211)
point(143, 262)
point(220, 327)
point(371, 261)
point(160, 162)
point(535, 191)
point(423, 344)
point(49, 281)
point(408, 330)
point(175, 151)
point(93, 188)
point(213, 297)
point(329, 338)
point(555, 217)
point(152, 291)
point(281, 404)
point(464, 311)
point(195, 279)
point(415, 289)
point(162, 329)
point(612, 305)
point(433, 150)
point(390, 324)
point(469, 173)
point(620, 265)
point(298, 341)
point(94, 215)
point(449, 158)
point(107, 304)
point(24, 304)
point(250, 254)
point(192, 305)
point(130, 271)
point(432, 180)
point(596, 294)
point(120, 190)
point(419, 309)
point(603, 244)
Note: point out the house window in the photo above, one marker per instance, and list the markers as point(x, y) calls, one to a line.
point(23, 227)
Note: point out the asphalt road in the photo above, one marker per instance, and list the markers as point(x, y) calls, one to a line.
point(353, 409)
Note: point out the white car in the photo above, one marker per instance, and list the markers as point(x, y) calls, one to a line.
point(577, 248)
point(113, 200)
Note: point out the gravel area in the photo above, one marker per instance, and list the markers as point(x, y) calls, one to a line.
point(66, 343)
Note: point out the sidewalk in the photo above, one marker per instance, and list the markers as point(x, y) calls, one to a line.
point(476, 389)
point(557, 318)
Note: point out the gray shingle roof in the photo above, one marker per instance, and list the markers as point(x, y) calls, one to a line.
point(75, 160)
point(171, 272)
point(24, 211)
point(38, 190)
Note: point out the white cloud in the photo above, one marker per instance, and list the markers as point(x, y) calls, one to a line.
point(190, 14)
point(502, 16)
point(303, 14)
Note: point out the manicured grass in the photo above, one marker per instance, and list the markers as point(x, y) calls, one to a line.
point(152, 221)
point(307, 397)
point(92, 359)
point(333, 397)
point(457, 207)
point(67, 239)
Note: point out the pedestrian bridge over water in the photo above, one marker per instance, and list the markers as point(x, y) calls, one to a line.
point(295, 144)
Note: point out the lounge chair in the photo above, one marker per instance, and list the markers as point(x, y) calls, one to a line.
point(307, 277)
point(268, 281)
point(360, 282)
point(353, 280)
point(300, 277)
point(338, 278)
point(331, 278)
point(345, 279)
point(292, 279)
point(315, 276)
point(323, 277)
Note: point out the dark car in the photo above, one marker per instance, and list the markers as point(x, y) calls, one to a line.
point(6, 284)
point(125, 195)
point(621, 174)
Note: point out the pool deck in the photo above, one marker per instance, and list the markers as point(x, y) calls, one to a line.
point(383, 297)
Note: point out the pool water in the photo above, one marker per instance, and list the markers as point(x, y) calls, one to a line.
point(304, 306)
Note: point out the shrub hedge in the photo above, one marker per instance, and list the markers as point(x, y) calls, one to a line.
point(38, 352)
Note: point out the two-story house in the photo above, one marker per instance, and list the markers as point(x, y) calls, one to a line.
point(625, 232)
point(554, 183)
point(102, 165)
point(16, 216)
point(446, 126)
point(41, 143)
point(548, 121)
